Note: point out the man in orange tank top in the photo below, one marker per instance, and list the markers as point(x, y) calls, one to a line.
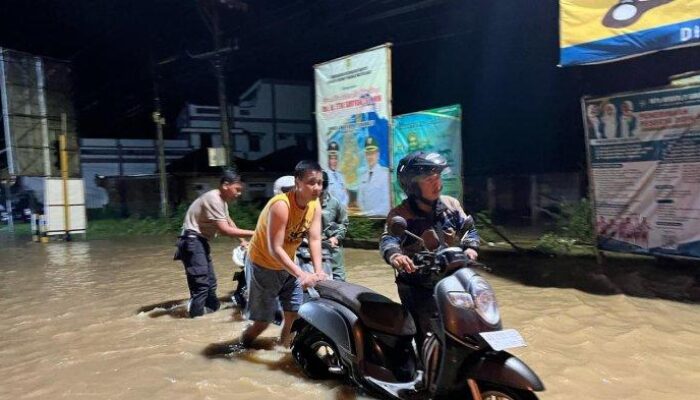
point(273, 276)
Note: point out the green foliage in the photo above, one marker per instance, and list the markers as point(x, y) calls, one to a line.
point(573, 226)
point(363, 228)
point(553, 243)
point(103, 213)
point(245, 215)
point(574, 222)
point(107, 228)
point(483, 224)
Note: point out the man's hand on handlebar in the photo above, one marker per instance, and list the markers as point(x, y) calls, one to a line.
point(471, 254)
point(308, 280)
point(321, 276)
point(333, 241)
point(402, 263)
point(244, 243)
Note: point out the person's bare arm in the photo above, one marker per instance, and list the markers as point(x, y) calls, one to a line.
point(315, 244)
point(228, 228)
point(277, 223)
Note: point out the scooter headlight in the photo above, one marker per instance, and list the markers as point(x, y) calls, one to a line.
point(461, 299)
point(484, 300)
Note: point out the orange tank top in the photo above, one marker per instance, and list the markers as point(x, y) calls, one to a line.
point(298, 224)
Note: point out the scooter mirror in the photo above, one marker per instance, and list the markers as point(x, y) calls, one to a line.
point(397, 226)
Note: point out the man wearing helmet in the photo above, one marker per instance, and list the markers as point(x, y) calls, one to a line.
point(431, 216)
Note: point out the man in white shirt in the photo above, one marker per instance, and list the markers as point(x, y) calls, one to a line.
point(336, 181)
point(373, 191)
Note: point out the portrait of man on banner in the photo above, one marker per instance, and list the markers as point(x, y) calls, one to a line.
point(353, 117)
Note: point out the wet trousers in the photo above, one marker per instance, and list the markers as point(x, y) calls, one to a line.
point(194, 251)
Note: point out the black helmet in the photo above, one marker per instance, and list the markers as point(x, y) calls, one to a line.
point(325, 181)
point(415, 166)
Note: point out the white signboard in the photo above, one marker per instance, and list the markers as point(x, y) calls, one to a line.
point(54, 206)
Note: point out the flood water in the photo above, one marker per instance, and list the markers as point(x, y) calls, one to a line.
point(94, 320)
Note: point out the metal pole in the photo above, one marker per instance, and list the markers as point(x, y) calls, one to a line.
point(41, 91)
point(160, 121)
point(219, 64)
point(9, 143)
point(8, 207)
point(64, 174)
point(591, 185)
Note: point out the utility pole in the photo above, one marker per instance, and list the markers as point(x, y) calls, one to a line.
point(63, 159)
point(209, 10)
point(7, 181)
point(219, 67)
point(160, 121)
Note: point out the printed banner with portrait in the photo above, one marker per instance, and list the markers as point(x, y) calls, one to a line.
point(438, 130)
point(353, 118)
point(644, 153)
point(595, 31)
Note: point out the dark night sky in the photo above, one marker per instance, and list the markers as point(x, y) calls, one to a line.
point(497, 58)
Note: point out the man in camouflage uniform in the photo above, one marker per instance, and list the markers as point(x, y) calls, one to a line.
point(334, 226)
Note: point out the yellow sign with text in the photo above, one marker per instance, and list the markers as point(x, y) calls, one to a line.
point(594, 31)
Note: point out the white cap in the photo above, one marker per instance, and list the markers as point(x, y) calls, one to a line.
point(283, 184)
point(238, 256)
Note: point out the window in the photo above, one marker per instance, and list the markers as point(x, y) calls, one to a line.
point(253, 143)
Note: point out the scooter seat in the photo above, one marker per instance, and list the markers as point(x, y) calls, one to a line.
point(377, 312)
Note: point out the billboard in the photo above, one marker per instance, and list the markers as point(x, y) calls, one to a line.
point(438, 130)
point(644, 157)
point(34, 92)
point(595, 31)
point(353, 119)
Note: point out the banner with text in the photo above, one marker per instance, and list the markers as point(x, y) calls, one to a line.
point(645, 166)
point(438, 130)
point(353, 118)
point(595, 31)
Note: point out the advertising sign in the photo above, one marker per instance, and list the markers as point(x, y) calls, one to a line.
point(644, 154)
point(353, 117)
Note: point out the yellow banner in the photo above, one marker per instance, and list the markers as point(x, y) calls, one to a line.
point(620, 28)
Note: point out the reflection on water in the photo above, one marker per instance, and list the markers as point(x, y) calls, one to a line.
point(104, 319)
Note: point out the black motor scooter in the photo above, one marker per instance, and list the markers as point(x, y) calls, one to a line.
point(351, 332)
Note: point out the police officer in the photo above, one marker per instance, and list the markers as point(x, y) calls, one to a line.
point(334, 226)
point(336, 181)
point(206, 217)
point(373, 191)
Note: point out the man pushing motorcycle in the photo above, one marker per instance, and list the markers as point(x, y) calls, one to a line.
point(434, 218)
point(275, 279)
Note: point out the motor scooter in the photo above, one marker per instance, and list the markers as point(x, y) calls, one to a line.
point(350, 332)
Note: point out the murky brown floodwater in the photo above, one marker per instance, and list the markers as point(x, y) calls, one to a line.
point(71, 328)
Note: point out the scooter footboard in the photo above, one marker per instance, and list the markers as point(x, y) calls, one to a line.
point(505, 369)
point(333, 320)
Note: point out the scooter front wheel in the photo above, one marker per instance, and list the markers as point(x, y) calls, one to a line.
point(498, 392)
point(315, 353)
